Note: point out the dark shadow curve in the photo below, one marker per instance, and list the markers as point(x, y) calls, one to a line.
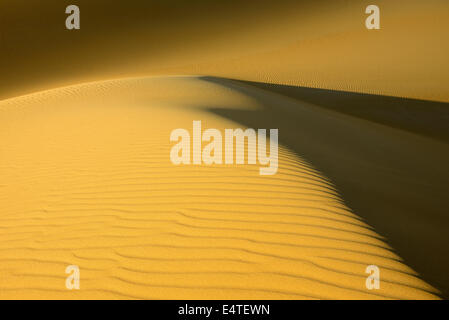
point(388, 163)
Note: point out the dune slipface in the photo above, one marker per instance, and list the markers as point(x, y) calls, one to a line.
point(87, 181)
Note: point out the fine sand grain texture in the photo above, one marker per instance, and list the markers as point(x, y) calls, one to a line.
point(87, 181)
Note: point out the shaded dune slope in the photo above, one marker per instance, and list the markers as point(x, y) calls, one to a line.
point(87, 181)
point(422, 117)
point(394, 176)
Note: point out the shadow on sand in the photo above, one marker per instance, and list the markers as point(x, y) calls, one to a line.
point(388, 158)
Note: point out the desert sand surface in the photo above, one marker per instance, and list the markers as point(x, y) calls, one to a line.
point(86, 177)
point(87, 181)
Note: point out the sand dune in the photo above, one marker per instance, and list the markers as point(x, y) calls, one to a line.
point(87, 181)
point(86, 177)
point(387, 159)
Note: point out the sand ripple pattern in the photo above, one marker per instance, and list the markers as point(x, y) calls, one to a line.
point(86, 180)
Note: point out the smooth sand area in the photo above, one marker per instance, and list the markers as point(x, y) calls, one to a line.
point(87, 180)
point(312, 43)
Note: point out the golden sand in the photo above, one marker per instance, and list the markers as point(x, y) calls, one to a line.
point(87, 180)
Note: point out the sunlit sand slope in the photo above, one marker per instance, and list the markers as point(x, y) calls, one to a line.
point(87, 181)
